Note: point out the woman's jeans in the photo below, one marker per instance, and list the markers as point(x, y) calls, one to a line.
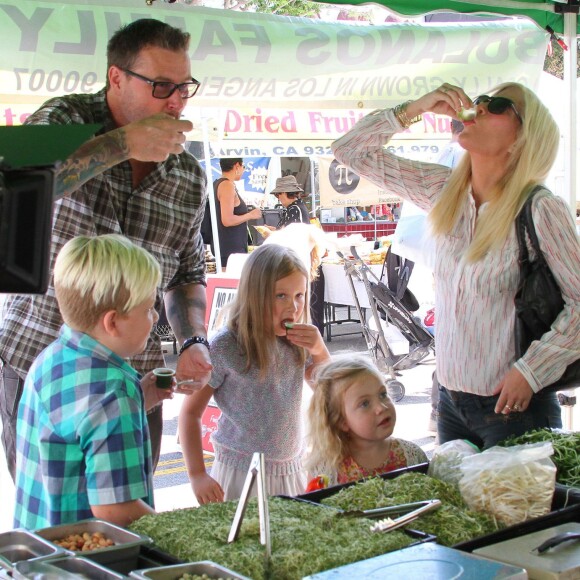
point(472, 417)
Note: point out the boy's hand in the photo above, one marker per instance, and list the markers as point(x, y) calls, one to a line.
point(152, 395)
point(206, 489)
point(193, 366)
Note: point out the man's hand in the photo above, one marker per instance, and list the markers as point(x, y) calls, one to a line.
point(156, 137)
point(193, 366)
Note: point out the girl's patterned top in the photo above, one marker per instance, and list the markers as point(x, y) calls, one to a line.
point(475, 301)
point(258, 414)
point(402, 453)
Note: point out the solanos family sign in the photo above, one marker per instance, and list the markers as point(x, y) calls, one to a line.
point(247, 60)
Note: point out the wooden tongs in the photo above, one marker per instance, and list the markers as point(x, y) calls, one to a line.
point(258, 471)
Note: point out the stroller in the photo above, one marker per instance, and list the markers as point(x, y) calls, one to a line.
point(391, 303)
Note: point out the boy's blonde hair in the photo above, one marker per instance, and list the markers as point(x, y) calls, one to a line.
point(252, 309)
point(531, 158)
point(93, 275)
point(327, 442)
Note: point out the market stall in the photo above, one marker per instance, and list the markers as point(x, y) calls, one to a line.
point(446, 521)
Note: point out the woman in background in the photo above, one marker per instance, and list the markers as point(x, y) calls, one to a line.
point(231, 210)
point(288, 193)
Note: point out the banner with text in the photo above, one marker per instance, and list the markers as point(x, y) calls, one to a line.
point(248, 60)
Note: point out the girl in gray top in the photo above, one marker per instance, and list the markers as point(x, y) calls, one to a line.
point(260, 362)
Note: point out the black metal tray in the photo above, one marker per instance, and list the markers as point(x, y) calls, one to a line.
point(565, 508)
point(554, 518)
point(319, 495)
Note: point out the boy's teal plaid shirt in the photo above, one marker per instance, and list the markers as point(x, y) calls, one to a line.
point(82, 434)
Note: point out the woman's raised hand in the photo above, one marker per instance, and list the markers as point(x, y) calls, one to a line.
point(445, 100)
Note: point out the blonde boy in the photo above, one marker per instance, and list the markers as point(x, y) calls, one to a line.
point(83, 445)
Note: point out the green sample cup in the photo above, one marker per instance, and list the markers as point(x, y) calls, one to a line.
point(163, 377)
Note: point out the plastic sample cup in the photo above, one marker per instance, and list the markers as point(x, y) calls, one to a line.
point(163, 377)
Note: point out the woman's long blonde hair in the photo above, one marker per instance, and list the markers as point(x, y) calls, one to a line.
point(327, 442)
point(531, 158)
point(252, 310)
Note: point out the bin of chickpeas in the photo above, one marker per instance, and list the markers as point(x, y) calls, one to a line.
point(204, 570)
point(99, 541)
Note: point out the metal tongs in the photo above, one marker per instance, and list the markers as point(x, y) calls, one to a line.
point(410, 511)
point(256, 470)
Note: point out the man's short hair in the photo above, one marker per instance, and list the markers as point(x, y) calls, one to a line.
point(93, 275)
point(127, 42)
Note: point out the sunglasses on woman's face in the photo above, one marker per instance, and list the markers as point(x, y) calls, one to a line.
point(498, 105)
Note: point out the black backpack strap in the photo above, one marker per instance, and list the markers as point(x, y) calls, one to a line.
point(532, 230)
point(525, 223)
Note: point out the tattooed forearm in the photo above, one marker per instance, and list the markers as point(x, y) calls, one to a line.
point(90, 160)
point(185, 309)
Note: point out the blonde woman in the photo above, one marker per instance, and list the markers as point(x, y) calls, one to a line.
point(260, 361)
point(486, 394)
point(351, 422)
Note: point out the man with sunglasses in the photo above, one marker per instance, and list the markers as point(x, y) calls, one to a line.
point(133, 178)
point(486, 394)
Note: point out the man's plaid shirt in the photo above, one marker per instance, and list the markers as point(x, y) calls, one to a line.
point(163, 215)
point(82, 434)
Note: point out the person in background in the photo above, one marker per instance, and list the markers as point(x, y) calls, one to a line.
point(261, 360)
point(232, 211)
point(133, 178)
point(288, 193)
point(351, 422)
point(83, 446)
point(485, 394)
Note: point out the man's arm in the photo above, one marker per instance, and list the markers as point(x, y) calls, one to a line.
point(185, 308)
point(151, 139)
point(91, 159)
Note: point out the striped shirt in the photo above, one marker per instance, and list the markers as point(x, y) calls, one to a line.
point(82, 435)
point(475, 302)
point(162, 214)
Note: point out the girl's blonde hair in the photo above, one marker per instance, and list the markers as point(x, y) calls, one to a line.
point(531, 158)
point(327, 442)
point(251, 317)
point(93, 275)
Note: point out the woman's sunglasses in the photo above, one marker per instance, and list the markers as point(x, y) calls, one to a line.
point(497, 105)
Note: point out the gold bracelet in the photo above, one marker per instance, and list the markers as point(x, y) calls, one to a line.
point(401, 114)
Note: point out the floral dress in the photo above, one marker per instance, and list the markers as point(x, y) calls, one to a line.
point(402, 453)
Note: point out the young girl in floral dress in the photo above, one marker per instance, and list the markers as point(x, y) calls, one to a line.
point(351, 421)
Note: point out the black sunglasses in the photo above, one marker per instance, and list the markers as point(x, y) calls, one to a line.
point(164, 89)
point(498, 105)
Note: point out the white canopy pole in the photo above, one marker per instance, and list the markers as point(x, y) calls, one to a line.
point(211, 197)
point(570, 86)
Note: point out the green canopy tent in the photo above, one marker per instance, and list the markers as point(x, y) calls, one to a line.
point(554, 16)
